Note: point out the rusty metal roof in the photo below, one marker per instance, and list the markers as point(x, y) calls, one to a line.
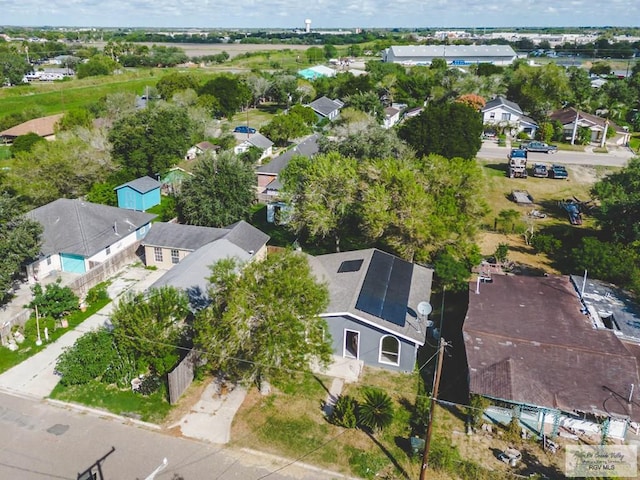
point(528, 341)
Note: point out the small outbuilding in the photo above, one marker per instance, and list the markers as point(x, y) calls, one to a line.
point(140, 194)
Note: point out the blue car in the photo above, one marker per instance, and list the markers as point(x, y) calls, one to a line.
point(244, 129)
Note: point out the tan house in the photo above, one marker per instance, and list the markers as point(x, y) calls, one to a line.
point(572, 119)
point(167, 244)
point(43, 126)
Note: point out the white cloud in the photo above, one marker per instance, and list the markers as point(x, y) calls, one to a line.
point(323, 13)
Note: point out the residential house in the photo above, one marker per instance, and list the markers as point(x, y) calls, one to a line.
point(198, 249)
point(507, 116)
point(268, 183)
point(168, 243)
point(201, 148)
point(452, 54)
point(532, 347)
point(573, 119)
point(326, 108)
point(78, 235)
point(172, 181)
point(412, 112)
point(244, 141)
point(391, 117)
point(43, 126)
point(372, 313)
point(140, 194)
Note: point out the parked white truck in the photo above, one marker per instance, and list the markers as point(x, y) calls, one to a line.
point(517, 163)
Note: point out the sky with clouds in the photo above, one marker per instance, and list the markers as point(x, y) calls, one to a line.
point(322, 13)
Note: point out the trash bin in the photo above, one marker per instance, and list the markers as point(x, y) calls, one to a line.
point(417, 445)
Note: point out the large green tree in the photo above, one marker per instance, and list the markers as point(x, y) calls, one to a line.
point(250, 332)
point(322, 191)
point(285, 127)
point(220, 192)
point(619, 196)
point(175, 82)
point(151, 141)
point(19, 242)
point(231, 93)
point(450, 129)
point(13, 68)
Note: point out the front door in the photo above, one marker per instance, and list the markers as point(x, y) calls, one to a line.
point(351, 343)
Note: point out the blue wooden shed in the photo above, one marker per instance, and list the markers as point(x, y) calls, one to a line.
point(139, 194)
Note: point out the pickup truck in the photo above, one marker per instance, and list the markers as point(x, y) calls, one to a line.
point(535, 146)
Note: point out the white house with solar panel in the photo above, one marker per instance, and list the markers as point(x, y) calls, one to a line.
point(373, 308)
point(455, 55)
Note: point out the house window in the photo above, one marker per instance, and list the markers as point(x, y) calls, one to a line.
point(157, 254)
point(492, 115)
point(506, 117)
point(48, 260)
point(175, 256)
point(389, 350)
point(108, 250)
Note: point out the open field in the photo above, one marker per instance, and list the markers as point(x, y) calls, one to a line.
point(546, 194)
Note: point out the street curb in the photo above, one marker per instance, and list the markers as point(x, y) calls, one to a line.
point(296, 463)
point(102, 413)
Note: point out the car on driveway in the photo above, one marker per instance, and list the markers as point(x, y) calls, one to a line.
point(244, 129)
point(535, 146)
point(558, 171)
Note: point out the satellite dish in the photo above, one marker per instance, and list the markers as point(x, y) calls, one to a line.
point(424, 308)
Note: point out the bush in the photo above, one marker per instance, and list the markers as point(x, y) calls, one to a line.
point(97, 293)
point(345, 412)
point(546, 244)
point(54, 301)
point(90, 356)
point(376, 410)
point(149, 385)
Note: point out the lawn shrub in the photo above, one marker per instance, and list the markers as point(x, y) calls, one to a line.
point(345, 412)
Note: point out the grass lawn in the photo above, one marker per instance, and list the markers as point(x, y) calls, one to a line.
point(58, 97)
point(290, 422)
point(5, 152)
point(28, 348)
point(152, 408)
point(546, 194)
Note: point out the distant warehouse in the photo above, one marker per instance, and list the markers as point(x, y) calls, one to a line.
point(453, 54)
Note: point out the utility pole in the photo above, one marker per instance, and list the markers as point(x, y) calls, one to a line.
point(434, 396)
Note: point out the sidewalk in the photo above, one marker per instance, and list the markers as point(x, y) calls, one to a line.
point(35, 376)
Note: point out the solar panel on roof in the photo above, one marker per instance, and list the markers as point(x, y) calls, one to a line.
point(386, 286)
point(350, 266)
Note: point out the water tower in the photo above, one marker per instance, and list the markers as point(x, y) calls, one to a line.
point(307, 26)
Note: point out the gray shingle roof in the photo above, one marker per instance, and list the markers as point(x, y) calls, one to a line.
point(324, 106)
point(193, 272)
point(184, 237)
point(345, 288)
point(83, 228)
point(256, 139)
point(498, 101)
point(142, 184)
point(307, 148)
point(246, 236)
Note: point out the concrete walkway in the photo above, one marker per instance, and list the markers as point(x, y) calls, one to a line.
point(35, 377)
point(210, 418)
point(332, 397)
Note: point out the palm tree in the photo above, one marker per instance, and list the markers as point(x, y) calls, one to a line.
point(376, 411)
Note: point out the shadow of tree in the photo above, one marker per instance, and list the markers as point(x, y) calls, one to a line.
point(388, 454)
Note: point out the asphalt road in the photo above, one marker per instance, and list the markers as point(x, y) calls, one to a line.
point(41, 441)
point(617, 158)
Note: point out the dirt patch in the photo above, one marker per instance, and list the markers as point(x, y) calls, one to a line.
point(523, 255)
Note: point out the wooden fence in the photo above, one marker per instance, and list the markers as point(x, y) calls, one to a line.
point(181, 377)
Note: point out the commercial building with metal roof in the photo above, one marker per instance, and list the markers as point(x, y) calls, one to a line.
point(458, 55)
